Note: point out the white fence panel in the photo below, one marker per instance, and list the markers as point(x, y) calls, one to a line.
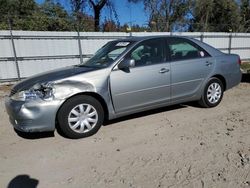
point(29, 68)
point(244, 54)
point(90, 46)
point(8, 70)
point(218, 42)
point(240, 42)
point(47, 46)
point(6, 48)
point(40, 51)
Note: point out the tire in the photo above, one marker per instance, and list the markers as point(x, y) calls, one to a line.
point(212, 94)
point(80, 116)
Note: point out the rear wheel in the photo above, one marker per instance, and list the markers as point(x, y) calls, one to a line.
point(213, 93)
point(80, 116)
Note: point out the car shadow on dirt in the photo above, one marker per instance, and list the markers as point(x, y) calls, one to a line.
point(33, 136)
point(146, 113)
point(245, 78)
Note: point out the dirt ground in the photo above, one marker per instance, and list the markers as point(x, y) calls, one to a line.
point(178, 146)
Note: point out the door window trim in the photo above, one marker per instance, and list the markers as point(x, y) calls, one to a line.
point(168, 54)
point(165, 58)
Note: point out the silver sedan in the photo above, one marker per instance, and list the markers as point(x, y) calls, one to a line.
point(123, 77)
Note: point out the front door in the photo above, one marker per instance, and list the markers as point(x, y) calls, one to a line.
point(146, 84)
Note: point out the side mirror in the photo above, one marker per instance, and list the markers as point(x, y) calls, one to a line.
point(126, 64)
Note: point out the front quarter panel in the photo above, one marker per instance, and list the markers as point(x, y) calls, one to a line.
point(86, 82)
point(95, 82)
point(67, 88)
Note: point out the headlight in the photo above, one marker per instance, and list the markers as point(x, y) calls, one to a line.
point(38, 91)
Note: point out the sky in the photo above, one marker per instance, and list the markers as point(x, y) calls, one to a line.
point(127, 12)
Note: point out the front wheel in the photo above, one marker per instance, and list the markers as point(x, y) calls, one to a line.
point(80, 116)
point(212, 94)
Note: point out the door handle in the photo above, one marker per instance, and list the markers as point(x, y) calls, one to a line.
point(163, 70)
point(208, 63)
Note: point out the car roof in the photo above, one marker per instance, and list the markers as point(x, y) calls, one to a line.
point(211, 50)
point(141, 38)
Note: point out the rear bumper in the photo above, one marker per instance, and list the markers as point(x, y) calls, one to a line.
point(32, 116)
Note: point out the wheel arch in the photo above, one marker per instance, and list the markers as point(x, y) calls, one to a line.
point(222, 79)
point(94, 95)
point(203, 100)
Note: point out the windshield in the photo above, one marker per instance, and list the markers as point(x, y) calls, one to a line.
point(106, 55)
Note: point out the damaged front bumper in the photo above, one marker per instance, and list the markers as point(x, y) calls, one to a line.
point(32, 116)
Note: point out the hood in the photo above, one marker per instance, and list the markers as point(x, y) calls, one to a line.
point(51, 76)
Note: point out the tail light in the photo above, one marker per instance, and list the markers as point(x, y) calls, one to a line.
point(239, 61)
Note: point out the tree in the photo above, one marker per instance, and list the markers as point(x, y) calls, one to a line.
point(97, 7)
point(18, 11)
point(109, 26)
point(82, 21)
point(216, 16)
point(165, 15)
point(79, 5)
point(245, 15)
point(202, 13)
point(27, 15)
point(53, 17)
point(85, 22)
point(226, 16)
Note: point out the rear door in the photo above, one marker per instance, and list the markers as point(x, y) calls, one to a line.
point(190, 65)
point(146, 84)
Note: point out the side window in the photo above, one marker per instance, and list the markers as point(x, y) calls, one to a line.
point(182, 49)
point(148, 52)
